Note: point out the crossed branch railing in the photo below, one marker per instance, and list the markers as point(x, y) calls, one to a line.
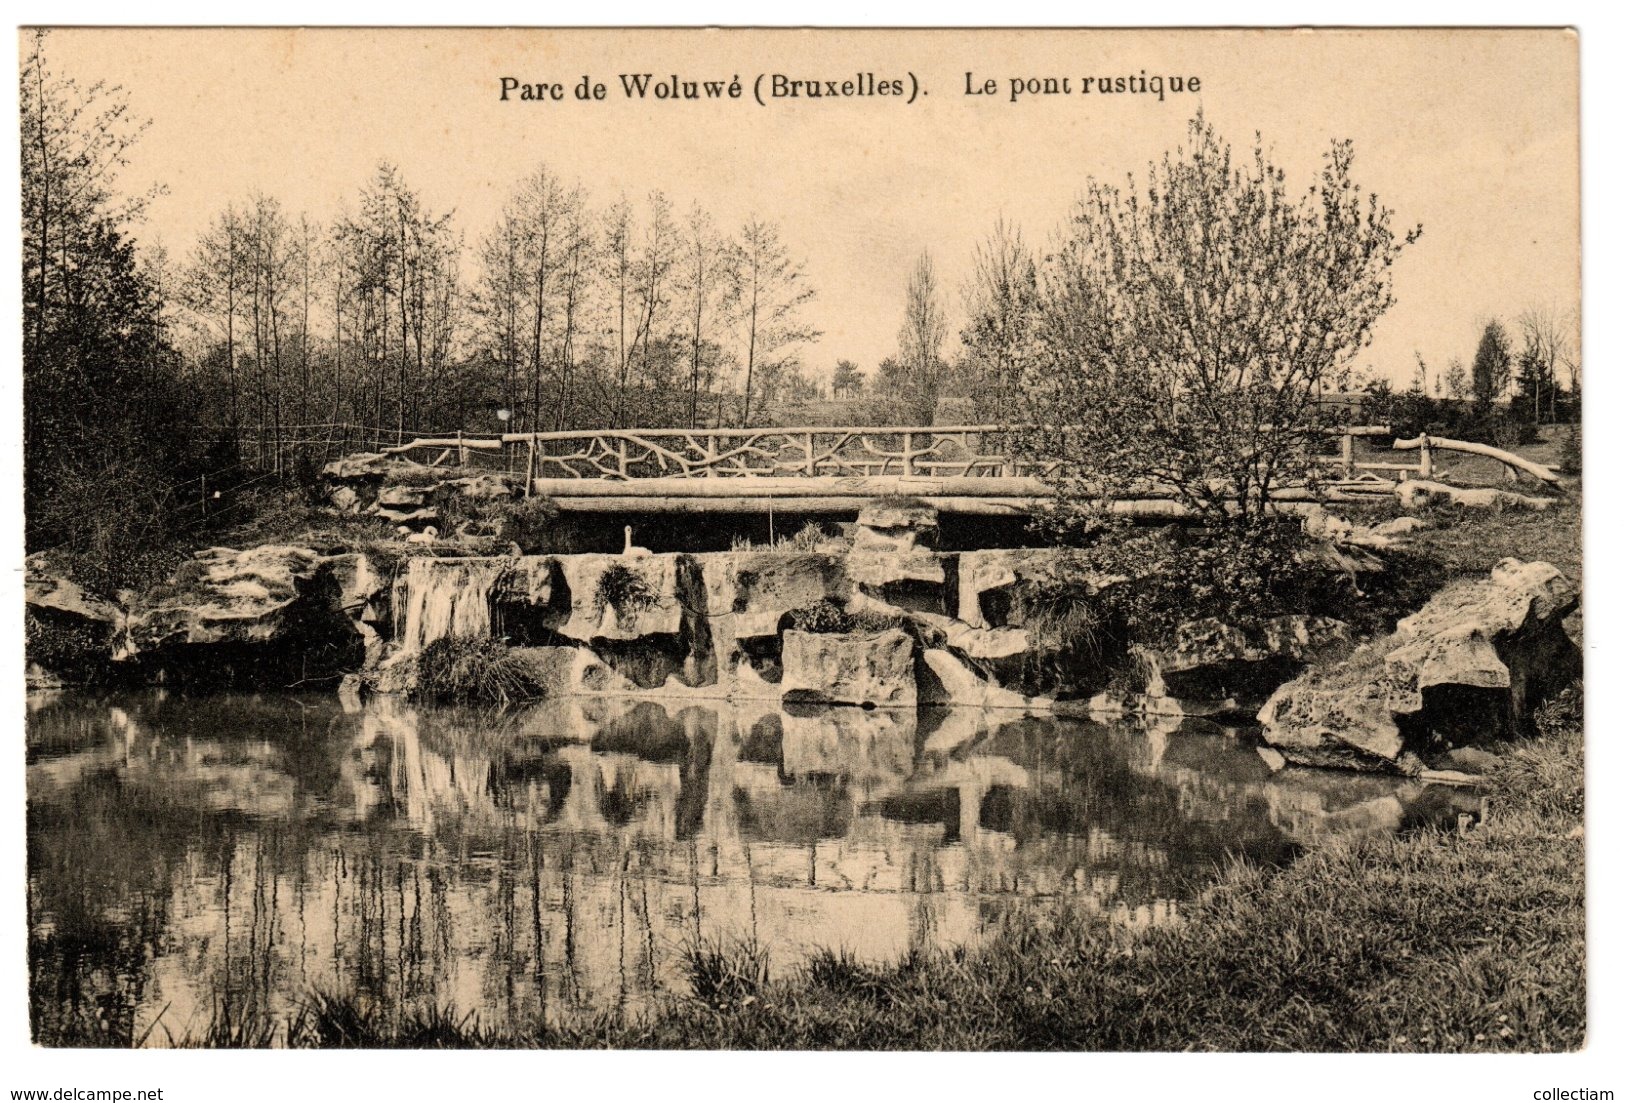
point(935, 452)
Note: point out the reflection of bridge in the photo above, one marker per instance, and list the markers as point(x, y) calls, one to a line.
point(837, 469)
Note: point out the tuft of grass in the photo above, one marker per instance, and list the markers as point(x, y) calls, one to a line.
point(725, 973)
point(479, 672)
point(803, 541)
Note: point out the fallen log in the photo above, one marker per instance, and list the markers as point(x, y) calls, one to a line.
point(1420, 492)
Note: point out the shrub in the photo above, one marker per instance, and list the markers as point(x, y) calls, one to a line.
point(723, 973)
point(69, 646)
point(1564, 712)
point(1571, 454)
point(1182, 573)
point(480, 672)
point(624, 590)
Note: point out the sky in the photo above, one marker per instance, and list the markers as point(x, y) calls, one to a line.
point(1473, 134)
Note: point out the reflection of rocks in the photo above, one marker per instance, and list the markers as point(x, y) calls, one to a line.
point(553, 861)
point(850, 668)
point(862, 748)
point(1471, 665)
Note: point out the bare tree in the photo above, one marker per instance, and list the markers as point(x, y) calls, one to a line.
point(919, 341)
point(703, 279)
point(1549, 346)
point(999, 301)
point(770, 289)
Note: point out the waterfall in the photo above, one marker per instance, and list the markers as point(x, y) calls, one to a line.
point(449, 597)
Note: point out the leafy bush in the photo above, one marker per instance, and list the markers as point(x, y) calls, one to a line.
point(1562, 713)
point(480, 672)
point(624, 590)
point(72, 647)
point(1182, 573)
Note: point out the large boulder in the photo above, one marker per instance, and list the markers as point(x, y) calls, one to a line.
point(48, 591)
point(748, 593)
point(621, 597)
point(850, 668)
point(892, 552)
point(222, 596)
point(994, 584)
point(273, 614)
point(1470, 666)
point(949, 680)
point(68, 628)
point(1211, 662)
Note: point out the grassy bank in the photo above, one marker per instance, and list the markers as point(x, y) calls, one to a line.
point(1433, 941)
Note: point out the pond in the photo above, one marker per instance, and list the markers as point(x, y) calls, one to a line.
point(199, 861)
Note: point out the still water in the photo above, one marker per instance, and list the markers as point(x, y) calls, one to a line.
point(193, 858)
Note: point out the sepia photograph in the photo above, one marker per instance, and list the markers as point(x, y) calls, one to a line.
point(802, 539)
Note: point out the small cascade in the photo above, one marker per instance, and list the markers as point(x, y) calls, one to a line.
point(449, 597)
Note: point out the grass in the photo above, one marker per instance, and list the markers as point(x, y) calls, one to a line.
point(1472, 541)
point(480, 672)
point(804, 540)
point(827, 617)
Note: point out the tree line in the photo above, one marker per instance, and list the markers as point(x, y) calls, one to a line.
point(574, 316)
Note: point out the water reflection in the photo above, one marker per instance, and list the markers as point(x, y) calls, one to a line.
point(209, 860)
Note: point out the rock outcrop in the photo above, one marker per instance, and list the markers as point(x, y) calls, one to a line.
point(893, 555)
point(1470, 666)
point(262, 613)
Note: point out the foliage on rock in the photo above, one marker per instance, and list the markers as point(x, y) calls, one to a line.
point(827, 617)
point(624, 590)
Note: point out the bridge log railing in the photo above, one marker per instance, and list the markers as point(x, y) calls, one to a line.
point(836, 465)
point(808, 451)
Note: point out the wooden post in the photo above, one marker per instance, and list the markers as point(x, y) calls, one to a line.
point(812, 468)
point(620, 452)
point(530, 467)
point(1425, 469)
point(462, 450)
point(908, 453)
point(1348, 454)
point(711, 456)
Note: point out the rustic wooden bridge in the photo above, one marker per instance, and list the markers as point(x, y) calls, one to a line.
point(969, 469)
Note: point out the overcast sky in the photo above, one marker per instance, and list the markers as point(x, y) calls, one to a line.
point(1472, 133)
